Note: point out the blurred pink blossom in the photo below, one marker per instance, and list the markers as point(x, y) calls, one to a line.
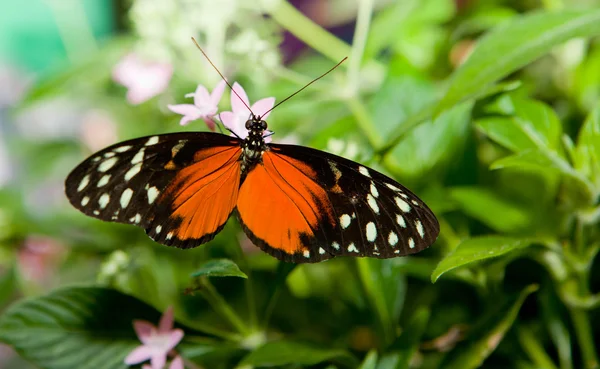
point(156, 342)
point(177, 363)
point(143, 79)
point(39, 257)
point(98, 129)
point(205, 105)
point(236, 120)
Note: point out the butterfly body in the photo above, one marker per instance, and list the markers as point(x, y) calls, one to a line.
point(296, 203)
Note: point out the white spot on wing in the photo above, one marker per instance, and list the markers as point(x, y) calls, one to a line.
point(345, 221)
point(107, 164)
point(169, 236)
point(136, 219)
point(133, 171)
point(152, 141)
point(374, 191)
point(139, 157)
point(411, 243)
point(96, 212)
point(400, 221)
point(104, 200)
point(84, 182)
point(364, 171)
point(321, 250)
point(306, 254)
point(104, 180)
point(335, 245)
point(352, 248)
point(371, 232)
point(122, 148)
point(392, 187)
point(85, 201)
point(373, 203)
point(152, 194)
point(158, 229)
point(420, 228)
point(393, 239)
point(414, 202)
point(402, 204)
point(126, 197)
point(336, 172)
point(109, 154)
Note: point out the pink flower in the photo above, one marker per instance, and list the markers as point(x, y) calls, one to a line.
point(143, 79)
point(205, 105)
point(156, 343)
point(236, 120)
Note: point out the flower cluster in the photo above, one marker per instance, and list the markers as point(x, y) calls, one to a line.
point(205, 107)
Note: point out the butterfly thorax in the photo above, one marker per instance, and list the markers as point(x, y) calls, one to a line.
point(254, 145)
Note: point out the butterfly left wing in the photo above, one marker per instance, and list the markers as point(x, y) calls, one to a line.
point(303, 205)
point(180, 187)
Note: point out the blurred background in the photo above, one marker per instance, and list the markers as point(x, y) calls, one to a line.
point(63, 96)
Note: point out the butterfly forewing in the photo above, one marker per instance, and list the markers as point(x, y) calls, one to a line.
point(325, 206)
point(153, 182)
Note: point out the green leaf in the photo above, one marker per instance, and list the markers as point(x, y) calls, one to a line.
point(370, 361)
point(587, 151)
point(515, 44)
point(489, 208)
point(77, 327)
point(385, 291)
point(431, 146)
point(280, 353)
point(219, 268)
point(487, 334)
point(477, 249)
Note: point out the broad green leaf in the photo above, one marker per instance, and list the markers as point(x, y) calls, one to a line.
point(515, 44)
point(533, 125)
point(489, 208)
point(487, 333)
point(219, 268)
point(77, 327)
point(281, 353)
point(432, 146)
point(476, 249)
point(588, 148)
point(385, 290)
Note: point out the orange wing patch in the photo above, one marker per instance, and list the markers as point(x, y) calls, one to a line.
point(281, 205)
point(202, 196)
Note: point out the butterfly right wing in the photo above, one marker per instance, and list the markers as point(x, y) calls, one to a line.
point(180, 187)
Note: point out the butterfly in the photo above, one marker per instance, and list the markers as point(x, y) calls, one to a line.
point(296, 203)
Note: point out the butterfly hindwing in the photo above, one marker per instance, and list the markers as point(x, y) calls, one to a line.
point(318, 205)
point(146, 182)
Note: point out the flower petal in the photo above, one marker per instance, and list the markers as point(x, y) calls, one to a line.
point(139, 354)
point(217, 93)
point(201, 96)
point(185, 109)
point(236, 104)
point(261, 106)
point(174, 337)
point(210, 123)
point(158, 360)
point(143, 329)
point(227, 118)
point(166, 321)
point(177, 363)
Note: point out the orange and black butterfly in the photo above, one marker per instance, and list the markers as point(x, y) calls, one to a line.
point(298, 204)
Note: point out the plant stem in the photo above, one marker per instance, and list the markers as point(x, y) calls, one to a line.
point(222, 307)
point(306, 30)
point(361, 31)
point(364, 121)
point(535, 351)
point(581, 323)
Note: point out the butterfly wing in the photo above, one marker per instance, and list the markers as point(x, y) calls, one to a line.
point(181, 187)
point(304, 205)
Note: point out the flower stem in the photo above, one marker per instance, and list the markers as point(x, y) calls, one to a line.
point(361, 31)
point(222, 307)
point(581, 323)
point(306, 30)
point(364, 121)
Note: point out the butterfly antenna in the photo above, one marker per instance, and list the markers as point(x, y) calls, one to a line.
point(224, 79)
point(308, 84)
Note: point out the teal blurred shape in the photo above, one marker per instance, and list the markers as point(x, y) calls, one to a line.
point(30, 36)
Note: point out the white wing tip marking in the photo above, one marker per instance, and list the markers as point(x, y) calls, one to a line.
point(371, 231)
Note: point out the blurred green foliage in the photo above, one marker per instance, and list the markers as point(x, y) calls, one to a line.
point(489, 110)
